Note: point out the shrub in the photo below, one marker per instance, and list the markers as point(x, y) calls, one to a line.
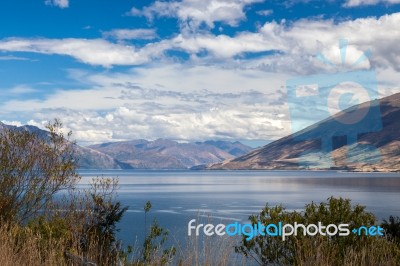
point(392, 228)
point(318, 250)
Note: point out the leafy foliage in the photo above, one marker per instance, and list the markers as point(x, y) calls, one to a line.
point(155, 241)
point(272, 250)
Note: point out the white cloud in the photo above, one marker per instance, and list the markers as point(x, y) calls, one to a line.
point(265, 12)
point(21, 89)
point(292, 44)
point(181, 102)
point(223, 46)
point(133, 122)
point(354, 3)
point(164, 84)
point(193, 13)
point(131, 34)
point(11, 123)
point(11, 57)
point(58, 3)
point(17, 91)
point(94, 51)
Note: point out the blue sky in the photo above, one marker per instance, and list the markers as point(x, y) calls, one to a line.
point(186, 70)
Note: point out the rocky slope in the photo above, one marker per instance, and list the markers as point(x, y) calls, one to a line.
point(377, 150)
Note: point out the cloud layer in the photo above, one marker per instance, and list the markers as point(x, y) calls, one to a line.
point(206, 103)
point(225, 87)
point(286, 44)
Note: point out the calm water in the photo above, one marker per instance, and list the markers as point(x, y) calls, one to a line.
point(224, 196)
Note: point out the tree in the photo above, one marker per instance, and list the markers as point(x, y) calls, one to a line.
point(39, 194)
point(154, 242)
point(33, 168)
point(99, 220)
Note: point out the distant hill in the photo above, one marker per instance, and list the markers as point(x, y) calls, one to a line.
point(168, 154)
point(87, 158)
point(91, 159)
point(288, 152)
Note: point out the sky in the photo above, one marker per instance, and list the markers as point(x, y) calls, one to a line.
point(187, 70)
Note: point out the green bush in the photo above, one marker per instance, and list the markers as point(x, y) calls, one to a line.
point(314, 250)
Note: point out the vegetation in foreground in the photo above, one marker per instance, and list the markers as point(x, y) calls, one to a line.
point(324, 250)
point(46, 220)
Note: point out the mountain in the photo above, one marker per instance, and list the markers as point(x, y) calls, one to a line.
point(92, 159)
point(87, 158)
point(234, 148)
point(377, 149)
point(168, 154)
point(143, 154)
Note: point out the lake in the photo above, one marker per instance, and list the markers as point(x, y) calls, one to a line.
point(225, 196)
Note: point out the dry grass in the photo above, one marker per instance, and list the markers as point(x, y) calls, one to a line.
point(377, 252)
point(20, 246)
point(218, 251)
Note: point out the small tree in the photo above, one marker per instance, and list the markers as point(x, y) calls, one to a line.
point(99, 221)
point(154, 242)
point(33, 168)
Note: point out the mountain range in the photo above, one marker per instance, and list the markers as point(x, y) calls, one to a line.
point(168, 154)
point(144, 154)
point(377, 146)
